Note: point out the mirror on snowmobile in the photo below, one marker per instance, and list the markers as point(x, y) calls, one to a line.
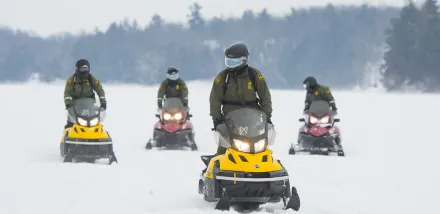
point(190, 115)
point(302, 120)
point(158, 116)
point(336, 120)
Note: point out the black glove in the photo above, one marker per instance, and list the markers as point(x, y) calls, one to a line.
point(104, 105)
point(216, 123)
point(68, 106)
point(269, 121)
point(333, 105)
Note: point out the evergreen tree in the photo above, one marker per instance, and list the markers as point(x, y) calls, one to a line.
point(430, 45)
point(402, 59)
point(413, 58)
point(196, 21)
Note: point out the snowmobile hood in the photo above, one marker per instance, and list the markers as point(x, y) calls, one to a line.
point(86, 135)
point(234, 160)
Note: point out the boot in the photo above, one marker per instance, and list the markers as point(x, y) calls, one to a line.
point(220, 151)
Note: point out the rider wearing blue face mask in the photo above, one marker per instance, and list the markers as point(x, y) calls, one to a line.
point(172, 86)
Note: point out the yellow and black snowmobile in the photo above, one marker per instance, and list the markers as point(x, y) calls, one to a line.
point(247, 175)
point(86, 140)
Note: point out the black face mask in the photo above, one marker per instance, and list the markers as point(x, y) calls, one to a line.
point(82, 72)
point(238, 70)
point(82, 75)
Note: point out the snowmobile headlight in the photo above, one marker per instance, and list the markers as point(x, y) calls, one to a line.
point(178, 116)
point(94, 122)
point(259, 146)
point(166, 116)
point(325, 119)
point(82, 122)
point(242, 146)
point(313, 119)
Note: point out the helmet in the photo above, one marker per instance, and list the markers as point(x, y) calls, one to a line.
point(172, 73)
point(82, 68)
point(310, 83)
point(236, 57)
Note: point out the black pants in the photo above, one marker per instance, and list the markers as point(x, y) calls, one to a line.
point(220, 150)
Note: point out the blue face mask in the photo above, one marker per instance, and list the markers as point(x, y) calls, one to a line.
point(173, 76)
point(234, 62)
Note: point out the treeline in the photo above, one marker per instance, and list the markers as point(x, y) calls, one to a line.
point(333, 43)
point(413, 55)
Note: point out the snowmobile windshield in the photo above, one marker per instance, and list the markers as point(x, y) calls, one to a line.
point(173, 104)
point(85, 108)
point(248, 129)
point(320, 108)
point(246, 122)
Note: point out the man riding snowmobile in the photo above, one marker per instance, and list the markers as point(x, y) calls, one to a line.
point(316, 92)
point(322, 99)
point(238, 86)
point(172, 86)
point(82, 84)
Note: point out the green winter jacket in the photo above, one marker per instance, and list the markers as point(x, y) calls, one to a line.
point(320, 93)
point(169, 89)
point(239, 89)
point(79, 88)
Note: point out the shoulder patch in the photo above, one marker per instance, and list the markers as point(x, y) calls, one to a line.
point(177, 86)
point(70, 80)
point(96, 81)
point(328, 91)
point(260, 76)
point(218, 79)
point(316, 93)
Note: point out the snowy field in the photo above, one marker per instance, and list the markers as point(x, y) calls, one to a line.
point(390, 141)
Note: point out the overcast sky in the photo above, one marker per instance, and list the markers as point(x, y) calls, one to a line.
point(46, 17)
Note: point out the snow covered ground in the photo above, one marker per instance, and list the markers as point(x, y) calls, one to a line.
point(390, 141)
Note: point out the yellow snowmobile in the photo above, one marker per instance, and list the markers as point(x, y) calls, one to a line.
point(86, 140)
point(247, 175)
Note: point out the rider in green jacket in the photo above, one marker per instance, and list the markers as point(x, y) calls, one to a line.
point(82, 84)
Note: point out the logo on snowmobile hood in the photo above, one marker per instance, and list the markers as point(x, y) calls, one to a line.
point(243, 130)
point(85, 112)
point(257, 166)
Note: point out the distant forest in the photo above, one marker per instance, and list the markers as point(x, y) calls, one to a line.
point(339, 45)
